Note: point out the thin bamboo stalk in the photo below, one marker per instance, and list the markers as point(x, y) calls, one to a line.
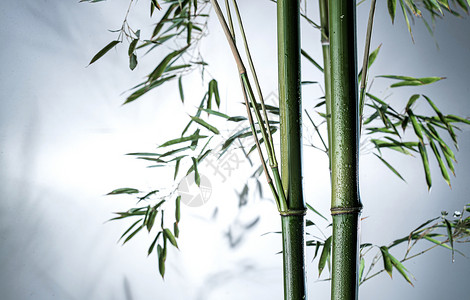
point(345, 202)
point(325, 42)
point(288, 18)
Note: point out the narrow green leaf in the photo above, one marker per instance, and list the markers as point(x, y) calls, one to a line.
point(205, 124)
point(130, 228)
point(180, 87)
point(450, 237)
point(310, 59)
point(178, 209)
point(400, 267)
point(443, 168)
point(152, 246)
point(388, 266)
point(133, 234)
point(371, 60)
point(390, 167)
point(132, 61)
point(161, 260)
point(425, 160)
point(215, 113)
point(190, 138)
point(132, 45)
point(123, 191)
point(406, 19)
point(197, 178)
point(392, 8)
point(411, 101)
point(158, 71)
point(176, 229)
point(104, 51)
point(362, 265)
point(416, 126)
point(315, 211)
point(167, 233)
point(151, 219)
point(324, 255)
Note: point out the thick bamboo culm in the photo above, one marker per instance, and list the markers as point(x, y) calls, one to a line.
point(345, 202)
point(288, 18)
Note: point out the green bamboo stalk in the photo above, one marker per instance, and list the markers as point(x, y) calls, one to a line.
point(288, 18)
point(325, 42)
point(345, 201)
point(366, 61)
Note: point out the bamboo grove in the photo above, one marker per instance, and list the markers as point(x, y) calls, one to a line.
point(348, 111)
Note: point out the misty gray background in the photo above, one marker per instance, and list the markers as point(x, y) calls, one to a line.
point(63, 134)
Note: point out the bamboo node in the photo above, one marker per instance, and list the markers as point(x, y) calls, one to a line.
point(345, 210)
point(293, 212)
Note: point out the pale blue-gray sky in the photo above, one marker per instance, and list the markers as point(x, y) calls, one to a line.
point(63, 134)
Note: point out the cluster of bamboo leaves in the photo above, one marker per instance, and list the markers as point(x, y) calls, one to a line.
point(182, 24)
point(440, 231)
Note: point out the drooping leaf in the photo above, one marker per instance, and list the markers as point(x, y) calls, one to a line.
point(390, 167)
point(388, 266)
point(324, 255)
point(197, 178)
point(425, 160)
point(180, 88)
point(104, 51)
point(158, 71)
point(178, 209)
point(392, 8)
point(130, 228)
point(450, 236)
point(167, 233)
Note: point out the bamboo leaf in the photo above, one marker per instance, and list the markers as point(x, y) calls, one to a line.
point(361, 268)
point(158, 71)
point(167, 233)
point(178, 209)
point(180, 88)
point(388, 266)
point(425, 160)
point(104, 51)
point(123, 191)
point(132, 61)
point(443, 168)
point(205, 124)
point(133, 234)
point(392, 8)
point(450, 236)
point(197, 178)
point(390, 167)
point(190, 138)
point(176, 229)
point(310, 59)
point(315, 211)
point(151, 219)
point(152, 246)
point(400, 268)
point(130, 228)
point(411, 101)
point(161, 260)
point(324, 255)
point(371, 60)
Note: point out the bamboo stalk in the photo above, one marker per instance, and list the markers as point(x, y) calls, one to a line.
point(288, 18)
point(366, 61)
point(325, 43)
point(345, 201)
